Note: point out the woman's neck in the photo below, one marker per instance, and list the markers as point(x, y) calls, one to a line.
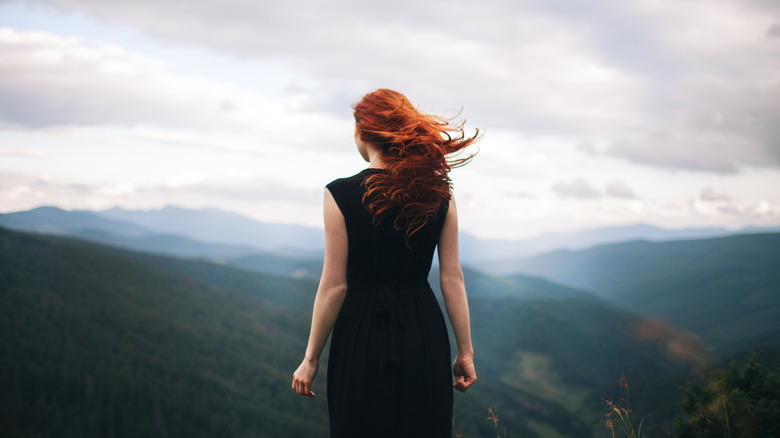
point(375, 158)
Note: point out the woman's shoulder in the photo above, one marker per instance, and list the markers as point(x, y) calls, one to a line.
point(354, 180)
point(348, 191)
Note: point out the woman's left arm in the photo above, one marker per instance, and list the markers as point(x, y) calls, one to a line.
point(330, 295)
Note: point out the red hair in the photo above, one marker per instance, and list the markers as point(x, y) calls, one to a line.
point(415, 149)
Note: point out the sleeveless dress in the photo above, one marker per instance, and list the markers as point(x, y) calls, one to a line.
point(389, 372)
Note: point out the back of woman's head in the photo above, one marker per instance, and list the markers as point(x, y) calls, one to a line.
point(414, 148)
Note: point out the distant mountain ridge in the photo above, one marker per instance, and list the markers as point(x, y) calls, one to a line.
point(725, 289)
point(168, 231)
point(673, 280)
point(483, 253)
point(194, 233)
point(54, 220)
point(217, 226)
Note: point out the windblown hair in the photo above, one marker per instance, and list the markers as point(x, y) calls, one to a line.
point(415, 148)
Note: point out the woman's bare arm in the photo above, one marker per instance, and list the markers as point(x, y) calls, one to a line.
point(453, 289)
point(330, 295)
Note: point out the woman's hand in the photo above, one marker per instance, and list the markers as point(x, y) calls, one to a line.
point(465, 375)
point(330, 295)
point(304, 376)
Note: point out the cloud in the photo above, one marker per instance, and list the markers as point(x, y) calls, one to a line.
point(677, 85)
point(673, 85)
point(516, 194)
point(21, 152)
point(579, 189)
point(21, 191)
point(619, 189)
point(242, 189)
point(708, 194)
point(50, 80)
point(261, 198)
point(729, 210)
point(773, 31)
point(720, 125)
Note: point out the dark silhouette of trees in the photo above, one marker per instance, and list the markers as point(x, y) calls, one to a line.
point(734, 403)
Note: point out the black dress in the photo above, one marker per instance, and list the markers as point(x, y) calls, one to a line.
point(389, 367)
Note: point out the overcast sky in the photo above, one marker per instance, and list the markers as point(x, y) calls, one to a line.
point(594, 113)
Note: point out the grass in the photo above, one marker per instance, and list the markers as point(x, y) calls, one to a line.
point(492, 417)
point(619, 415)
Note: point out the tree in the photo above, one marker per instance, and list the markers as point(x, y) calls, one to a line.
point(734, 403)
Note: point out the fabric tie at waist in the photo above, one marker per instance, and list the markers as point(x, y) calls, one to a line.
point(392, 320)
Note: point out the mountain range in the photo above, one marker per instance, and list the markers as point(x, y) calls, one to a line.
point(727, 289)
point(212, 233)
point(102, 341)
point(109, 331)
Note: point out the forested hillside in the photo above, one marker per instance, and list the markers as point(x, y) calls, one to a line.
point(99, 345)
point(727, 290)
point(98, 341)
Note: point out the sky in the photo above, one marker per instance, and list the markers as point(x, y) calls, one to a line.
point(594, 113)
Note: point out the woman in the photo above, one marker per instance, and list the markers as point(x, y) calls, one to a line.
point(388, 369)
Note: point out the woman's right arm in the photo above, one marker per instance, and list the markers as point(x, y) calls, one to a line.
point(453, 290)
point(329, 298)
